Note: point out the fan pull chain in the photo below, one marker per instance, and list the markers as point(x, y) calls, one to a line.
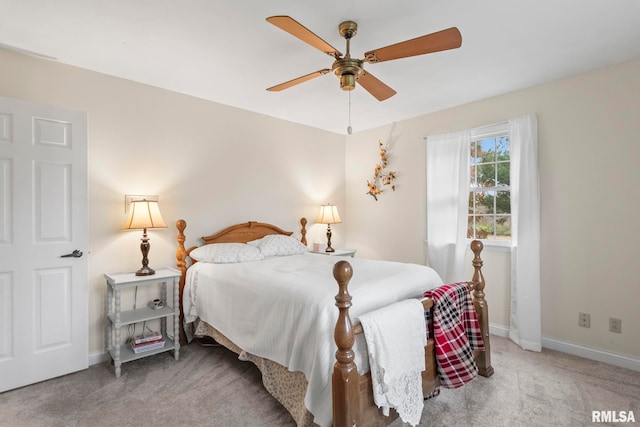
point(349, 130)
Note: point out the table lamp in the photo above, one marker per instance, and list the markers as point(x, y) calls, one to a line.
point(328, 215)
point(144, 214)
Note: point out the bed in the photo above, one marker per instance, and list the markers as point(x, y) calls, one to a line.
point(336, 391)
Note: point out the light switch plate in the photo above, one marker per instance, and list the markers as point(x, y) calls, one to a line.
point(128, 198)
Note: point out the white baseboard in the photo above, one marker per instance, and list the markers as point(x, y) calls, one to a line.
point(498, 330)
point(578, 350)
point(592, 353)
point(97, 358)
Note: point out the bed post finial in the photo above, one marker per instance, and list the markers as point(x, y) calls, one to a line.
point(181, 224)
point(303, 230)
point(483, 359)
point(181, 255)
point(345, 374)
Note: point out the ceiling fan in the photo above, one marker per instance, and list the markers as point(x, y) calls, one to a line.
point(350, 70)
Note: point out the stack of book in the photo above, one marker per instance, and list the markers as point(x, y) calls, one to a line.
point(147, 342)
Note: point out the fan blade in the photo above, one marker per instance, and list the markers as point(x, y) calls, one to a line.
point(375, 87)
point(298, 80)
point(434, 42)
point(296, 29)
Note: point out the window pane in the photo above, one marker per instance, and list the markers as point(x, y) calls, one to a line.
point(470, 222)
point(502, 148)
point(480, 202)
point(473, 156)
point(487, 175)
point(484, 226)
point(503, 202)
point(472, 176)
point(503, 227)
point(503, 174)
point(484, 202)
point(487, 150)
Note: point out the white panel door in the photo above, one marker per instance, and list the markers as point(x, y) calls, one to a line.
point(43, 216)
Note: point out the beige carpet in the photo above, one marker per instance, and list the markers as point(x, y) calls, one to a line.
point(208, 386)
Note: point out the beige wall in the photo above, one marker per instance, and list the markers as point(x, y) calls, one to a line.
point(215, 165)
point(210, 164)
point(589, 135)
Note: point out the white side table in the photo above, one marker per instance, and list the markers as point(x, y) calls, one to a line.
point(338, 252)
point(116, 282)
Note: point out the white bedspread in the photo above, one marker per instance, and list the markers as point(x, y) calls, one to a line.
point(283, 308)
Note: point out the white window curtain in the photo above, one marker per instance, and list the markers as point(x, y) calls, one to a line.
point(447, 203)
point(525, 322)
point(447, 210)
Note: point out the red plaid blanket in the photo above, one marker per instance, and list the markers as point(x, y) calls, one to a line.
point(456, 332)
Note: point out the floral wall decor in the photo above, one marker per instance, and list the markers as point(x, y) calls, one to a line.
point(381, 176)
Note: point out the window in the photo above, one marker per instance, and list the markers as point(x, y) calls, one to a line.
point(469, 185)
point(489, 215)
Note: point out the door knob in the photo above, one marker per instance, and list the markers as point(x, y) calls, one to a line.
point(74, 254)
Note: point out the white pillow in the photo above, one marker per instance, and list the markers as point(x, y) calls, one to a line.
point(226, 253)
point(256, 242)
point(279, 245)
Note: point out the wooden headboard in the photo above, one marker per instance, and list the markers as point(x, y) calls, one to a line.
point(245, 232)
point(239, 233)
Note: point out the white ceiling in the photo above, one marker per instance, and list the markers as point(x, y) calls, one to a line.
point(225, 51)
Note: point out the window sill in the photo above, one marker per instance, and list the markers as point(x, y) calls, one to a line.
point(494, 245)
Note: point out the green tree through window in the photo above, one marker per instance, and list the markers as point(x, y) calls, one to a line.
point(489, 189)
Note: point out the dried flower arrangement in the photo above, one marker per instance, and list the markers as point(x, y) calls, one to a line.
point(380, 176)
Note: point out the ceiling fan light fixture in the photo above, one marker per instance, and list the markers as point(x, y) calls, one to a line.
point(347, 82)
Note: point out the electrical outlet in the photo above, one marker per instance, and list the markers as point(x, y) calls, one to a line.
point(615, 325)
point(584, 320)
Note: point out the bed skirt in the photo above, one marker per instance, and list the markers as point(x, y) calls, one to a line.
point(289, 388)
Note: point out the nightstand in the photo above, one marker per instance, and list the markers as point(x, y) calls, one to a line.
point(116, 319)
point(338, 252)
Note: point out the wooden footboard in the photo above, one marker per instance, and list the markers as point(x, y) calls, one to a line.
point(352, 393)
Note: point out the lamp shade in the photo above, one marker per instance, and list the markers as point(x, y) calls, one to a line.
point(328, 215)
point(144, 214)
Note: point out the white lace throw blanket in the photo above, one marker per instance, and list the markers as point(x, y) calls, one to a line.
point(396, 336)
